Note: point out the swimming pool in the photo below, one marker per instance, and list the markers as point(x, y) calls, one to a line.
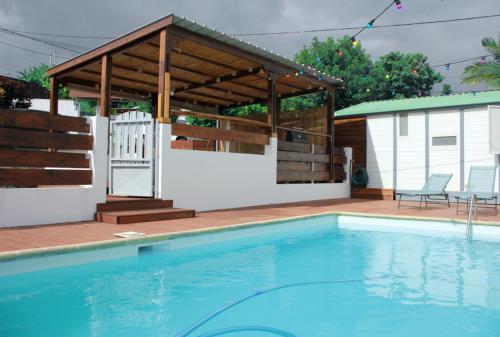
point(321, 276)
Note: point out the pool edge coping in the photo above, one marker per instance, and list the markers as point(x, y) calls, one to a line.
point(152, 238)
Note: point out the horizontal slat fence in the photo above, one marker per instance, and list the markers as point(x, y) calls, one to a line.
point(33, 147)
point(219, 134)
point(308, 163)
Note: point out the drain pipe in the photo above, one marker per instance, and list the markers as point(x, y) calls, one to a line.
point(473, 204)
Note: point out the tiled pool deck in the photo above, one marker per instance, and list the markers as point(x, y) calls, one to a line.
point(51, 236)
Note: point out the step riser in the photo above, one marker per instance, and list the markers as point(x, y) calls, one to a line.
point(134, 205)
point(127, 219)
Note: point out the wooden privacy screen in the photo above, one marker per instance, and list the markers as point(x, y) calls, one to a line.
point(311, 120)
point(308, 163)
point(30, 149)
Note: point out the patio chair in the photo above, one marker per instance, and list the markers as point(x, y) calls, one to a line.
point(434, 188)
point(482, 184)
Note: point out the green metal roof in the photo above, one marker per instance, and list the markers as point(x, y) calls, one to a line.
point(421, 103)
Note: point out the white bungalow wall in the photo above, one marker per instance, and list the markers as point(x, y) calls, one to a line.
point(404, 162)
point(205, 180)
point(66, 107)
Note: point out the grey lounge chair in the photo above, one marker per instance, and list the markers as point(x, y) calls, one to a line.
point(482, 184)
point(434, 188)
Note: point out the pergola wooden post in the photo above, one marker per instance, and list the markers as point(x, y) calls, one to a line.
point(164, 83)
point(272, 103)
point(330, 117)
point(54, 95)
point(105, 97)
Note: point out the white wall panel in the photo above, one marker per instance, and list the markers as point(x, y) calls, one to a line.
point(445, 158)
point(477, 140)
point(411, 154)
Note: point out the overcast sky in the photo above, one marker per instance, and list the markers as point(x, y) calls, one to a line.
point(442, 43)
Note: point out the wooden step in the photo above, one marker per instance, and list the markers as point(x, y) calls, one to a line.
point(145, 215)
point(127, 204)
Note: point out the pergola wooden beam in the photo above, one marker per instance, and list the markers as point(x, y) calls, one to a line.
point(54, 96)
point(197, 72)
point(105, 85)
point(330, 116)
point(233, 76)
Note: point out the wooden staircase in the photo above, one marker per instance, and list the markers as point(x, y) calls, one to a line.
point(134, 210)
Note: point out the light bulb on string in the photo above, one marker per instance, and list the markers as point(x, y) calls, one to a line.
point(447, 67)
point(367, 89)
point(340, 53)
point(354, 41)
point(369, 25)
point(482, 60)
point(318, 59)
point(387, 76)
point(414, 71)
point(301, 72)
point(398, 3)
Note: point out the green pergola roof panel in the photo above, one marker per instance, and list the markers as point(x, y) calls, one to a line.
point(421, 103)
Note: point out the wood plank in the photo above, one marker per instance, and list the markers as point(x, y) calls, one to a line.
point(303, 131)
point(219, 134)
point(41, 120)
point(372, 193)
point(293, 166)
point(37, 177)
point(293, 147)
point(12, 158)
point(44, 139)
point(294, 176)
point(237, 120)
point(303, 157)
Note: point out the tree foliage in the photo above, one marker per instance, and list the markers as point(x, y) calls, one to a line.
point(13, 95)
point(487, 72)
point(38, 75)
point(446, 90)
point(395, 75)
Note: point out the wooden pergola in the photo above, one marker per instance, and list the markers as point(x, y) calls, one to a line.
point(178, 63)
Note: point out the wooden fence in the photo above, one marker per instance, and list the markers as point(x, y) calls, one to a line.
point(308, 163)
point(38, 149)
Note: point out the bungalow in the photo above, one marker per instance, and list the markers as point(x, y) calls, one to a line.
point(403, 141)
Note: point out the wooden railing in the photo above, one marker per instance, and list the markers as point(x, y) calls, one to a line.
point(308, 163)
point(30, 149)
point(261, 135)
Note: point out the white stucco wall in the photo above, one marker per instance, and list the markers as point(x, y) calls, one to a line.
point(218, 180)
point(66, 107)
point(35, 206)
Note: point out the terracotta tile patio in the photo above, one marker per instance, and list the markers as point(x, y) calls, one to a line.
point(46, 236)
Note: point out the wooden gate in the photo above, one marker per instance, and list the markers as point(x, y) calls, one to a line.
point(131, 155)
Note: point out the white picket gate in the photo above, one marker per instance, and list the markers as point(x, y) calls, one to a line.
point(131, 155)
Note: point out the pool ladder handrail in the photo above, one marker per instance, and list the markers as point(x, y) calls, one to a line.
point(473, 204)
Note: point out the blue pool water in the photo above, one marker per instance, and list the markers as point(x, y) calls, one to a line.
point(308, 278)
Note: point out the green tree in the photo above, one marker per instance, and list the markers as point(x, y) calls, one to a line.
point(486, 71)
point(446, 90)
point(339, 59)
point(38, 75)
point(13, 95)
point(398, 75)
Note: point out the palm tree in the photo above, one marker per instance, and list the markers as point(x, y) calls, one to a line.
point(488, 72)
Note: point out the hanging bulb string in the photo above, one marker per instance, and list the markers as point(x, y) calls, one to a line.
point(448, 64)
point(372, 21)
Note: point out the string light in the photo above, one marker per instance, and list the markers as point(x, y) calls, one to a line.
point(318, 59)
point(398, 3)
point(482, 60)
point(447, 67)
point(340, 53)
point(301, 72)
point(354, 41)
point(414, 71)
point(387, 77)
point(369, 25)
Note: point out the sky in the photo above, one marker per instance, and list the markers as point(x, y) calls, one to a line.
point(441, 43)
